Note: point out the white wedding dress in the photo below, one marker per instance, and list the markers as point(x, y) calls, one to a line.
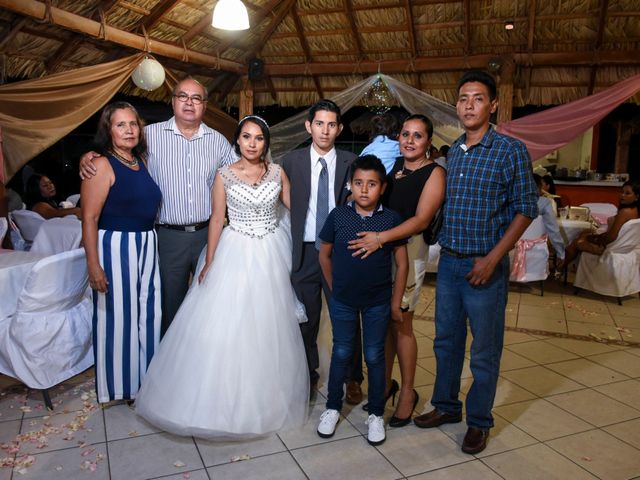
point(232, 364)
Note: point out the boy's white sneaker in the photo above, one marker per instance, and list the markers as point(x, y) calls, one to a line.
point(376, 435)
point(328, 421)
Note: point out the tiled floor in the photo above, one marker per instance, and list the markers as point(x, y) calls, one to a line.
point(567, 407)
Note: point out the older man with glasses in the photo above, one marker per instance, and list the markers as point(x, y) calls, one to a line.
point(184, 156)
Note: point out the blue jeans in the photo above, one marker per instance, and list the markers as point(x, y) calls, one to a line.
point(484, 306)
point(344, 321)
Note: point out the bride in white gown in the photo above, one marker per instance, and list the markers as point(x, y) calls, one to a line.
point(232, 364)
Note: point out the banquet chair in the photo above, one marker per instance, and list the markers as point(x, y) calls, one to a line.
point(615, 273)
point(433, 258)
point(28, 223)
point(48, 338)
point(74, 199)
point(530, 257)
point(4, 226)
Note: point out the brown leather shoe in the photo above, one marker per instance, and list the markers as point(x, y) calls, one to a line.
point(475, 440)
point(354, 393)
point(435, 418)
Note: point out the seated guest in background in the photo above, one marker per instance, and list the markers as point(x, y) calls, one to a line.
point(384, 139)
point(549, 191)
point(549, 219)
point(596, 244)
point(548, 185)
point(441, 156)
point(40, 196)
point(119, 207)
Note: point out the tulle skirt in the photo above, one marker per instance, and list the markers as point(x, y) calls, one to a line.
point(232, 364)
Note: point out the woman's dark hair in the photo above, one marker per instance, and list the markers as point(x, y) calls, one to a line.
point(538, 179)
point(327, 105)
point(264, 128)
point(103, 140)
point(368, 162)
point(386, 124)
point(424, 119)
point(32, 191)
point(483, 77)
point(548, 179)
point(635, 186)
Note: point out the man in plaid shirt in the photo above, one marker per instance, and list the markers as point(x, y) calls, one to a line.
point(491, 199)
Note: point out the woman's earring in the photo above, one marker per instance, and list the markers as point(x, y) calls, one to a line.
point(428, 155)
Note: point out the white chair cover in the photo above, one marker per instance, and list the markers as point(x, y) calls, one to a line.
point(532, 252)
point(48, 339)
point(4, 226)
point(73, 199)
point(433, 259)
point(28, 222)
point(616, 272)
point(58, 235)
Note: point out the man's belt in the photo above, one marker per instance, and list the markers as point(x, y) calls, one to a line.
point(186, 228)
point(455, 254)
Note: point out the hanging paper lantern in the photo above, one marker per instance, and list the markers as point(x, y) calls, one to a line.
point(149, 75)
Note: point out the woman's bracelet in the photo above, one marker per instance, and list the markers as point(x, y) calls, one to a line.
point(378, 239)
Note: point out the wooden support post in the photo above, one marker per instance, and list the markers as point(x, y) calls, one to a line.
point(505, 91)
point(245, 103)
point(623, 140)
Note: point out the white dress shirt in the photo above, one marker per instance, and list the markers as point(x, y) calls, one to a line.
point(184, 169)
point(316, 168)
point(545, 208)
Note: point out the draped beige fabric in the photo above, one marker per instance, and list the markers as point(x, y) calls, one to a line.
point(34, 114)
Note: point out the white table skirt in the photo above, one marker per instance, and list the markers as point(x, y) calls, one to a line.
point(571, 229)
point(14, 268)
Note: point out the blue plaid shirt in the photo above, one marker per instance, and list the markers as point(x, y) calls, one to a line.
point(487, 185)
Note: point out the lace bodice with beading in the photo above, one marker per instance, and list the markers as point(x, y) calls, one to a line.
point(252, 209)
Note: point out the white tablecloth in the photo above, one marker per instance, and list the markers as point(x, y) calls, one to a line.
point(570, 229)
point(14, 268)
point(58, 235)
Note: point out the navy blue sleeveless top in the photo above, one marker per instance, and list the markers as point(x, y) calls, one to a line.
point(133, 200)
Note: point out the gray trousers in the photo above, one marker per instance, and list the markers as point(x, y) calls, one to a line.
point(178, 254)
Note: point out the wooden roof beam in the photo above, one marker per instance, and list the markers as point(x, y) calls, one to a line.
point(132, 7)
point(602, 21)
point(159, 10)
point(411, 31)
point(226, 86)
point(72, 21)
point(271, 87)
point(434, 64)
point(466, 9)
point(531, 20)
point(15, 29)
point(255, 21)
point(275, 22)
point(348, 10)
point(305, 46)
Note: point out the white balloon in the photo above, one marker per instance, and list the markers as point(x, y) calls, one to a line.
point(149, 75)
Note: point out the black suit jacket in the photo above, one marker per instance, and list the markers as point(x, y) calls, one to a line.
point(297, 166)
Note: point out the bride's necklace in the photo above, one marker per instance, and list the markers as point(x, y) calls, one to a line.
point(124, 161)
point(405, 171)
point(253, 180)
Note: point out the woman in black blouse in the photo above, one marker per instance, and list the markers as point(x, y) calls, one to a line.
point(415, 189)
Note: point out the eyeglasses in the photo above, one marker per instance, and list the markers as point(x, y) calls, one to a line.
point(195, 99)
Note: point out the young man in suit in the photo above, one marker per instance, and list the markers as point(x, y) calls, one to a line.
point(318, 177)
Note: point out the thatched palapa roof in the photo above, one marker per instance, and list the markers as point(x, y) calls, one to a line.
point(558, 50)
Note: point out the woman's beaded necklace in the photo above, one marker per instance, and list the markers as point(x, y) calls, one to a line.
point(129, 163)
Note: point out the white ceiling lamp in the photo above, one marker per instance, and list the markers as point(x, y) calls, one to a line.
point(230, 15)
